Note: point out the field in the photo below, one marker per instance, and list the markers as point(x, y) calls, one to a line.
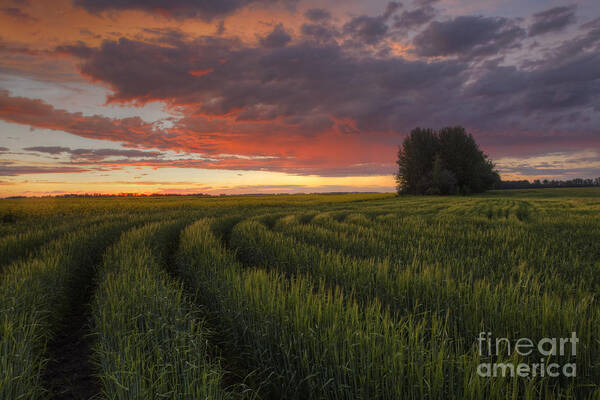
point(355, 296)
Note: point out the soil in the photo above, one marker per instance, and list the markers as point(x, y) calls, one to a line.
point(70, 374)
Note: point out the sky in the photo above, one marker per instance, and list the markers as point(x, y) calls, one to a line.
point(287, 96)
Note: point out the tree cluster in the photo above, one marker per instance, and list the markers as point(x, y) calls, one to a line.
point(447, 161)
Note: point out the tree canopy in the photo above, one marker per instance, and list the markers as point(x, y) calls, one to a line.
point(447, 161)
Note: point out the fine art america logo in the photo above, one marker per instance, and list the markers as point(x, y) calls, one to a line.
point(547, 353)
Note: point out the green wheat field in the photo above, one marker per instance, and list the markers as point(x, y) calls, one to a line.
point(340, 296)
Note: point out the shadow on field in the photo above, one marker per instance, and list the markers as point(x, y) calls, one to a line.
point(70, 374)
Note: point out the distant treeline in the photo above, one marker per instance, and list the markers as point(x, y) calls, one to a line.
point(525, 184)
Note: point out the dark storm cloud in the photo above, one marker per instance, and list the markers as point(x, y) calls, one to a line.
point(468, 36)
point(320, 32)
point(366, 29)
point(149, 71)
point(594, 24)
point(277, 38)
point(391, 8)
point(370, 30)
point(552, 20)
point(304, 79)
point(283, 100)
point(322, 81)
point(204, 9)
point(4, 149)
point(317, 15)
point(410, 19)
point(587, 41)
point(558, 98)
point(80, 49)
point(570, 83)
point(311, 80)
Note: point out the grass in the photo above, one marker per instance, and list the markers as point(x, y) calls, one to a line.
point(355, 296)
point(149, 341)
point(519, 304)
point(306, 340)
point(33, 298)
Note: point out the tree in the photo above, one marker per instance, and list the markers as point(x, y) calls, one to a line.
point(443, 181)
point(415, 159)
point(443, 162)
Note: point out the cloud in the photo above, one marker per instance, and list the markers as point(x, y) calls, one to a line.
point(277, 38)
point(304, 167)
point(556, 89)
point(414, 18)
point(80, 49)
point(20, 59)
point(317, 15)
point(4, 149)
point(316, 93)
point(557, 164)
point(54, 150)
point(39, 114)
point(468, 36)
point(220, 28)
point(87, 32)
point(391, 8)
point(9, 170)
point(309, 87)
point(203, 9)
point(366, 29)
point(370, 30)
point(301, 80)
point(284, 103)
point(260, 189)
point(322, 32)
point(16, 13)
point(552, 20)
point(236, 147)
point(94, 154)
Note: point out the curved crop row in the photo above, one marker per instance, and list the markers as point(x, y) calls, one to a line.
point(306, 341)
point(505, 307)
point(149, 341)
point(466, 246)
point(309, 341)
point(32, 240)
point(33, 297)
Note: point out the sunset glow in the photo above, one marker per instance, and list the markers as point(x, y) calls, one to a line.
point(287, 96)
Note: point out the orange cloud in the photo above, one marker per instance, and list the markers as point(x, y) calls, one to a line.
point(330, 153)
point(201, 72)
